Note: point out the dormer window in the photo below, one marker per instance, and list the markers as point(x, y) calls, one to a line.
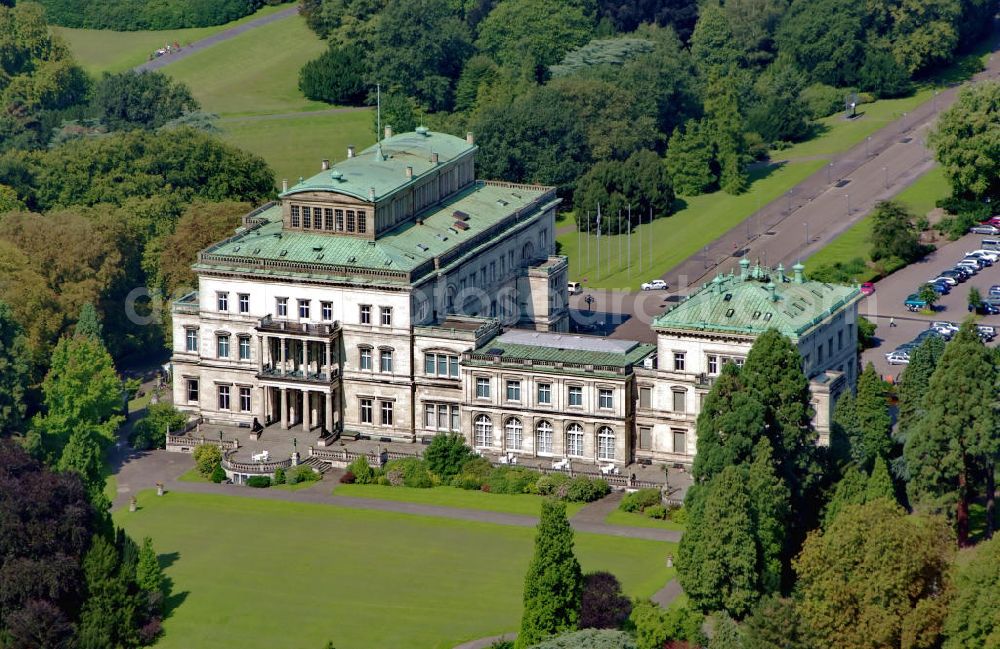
point(295, 216)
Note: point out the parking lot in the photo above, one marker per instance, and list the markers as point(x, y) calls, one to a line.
point(887, 301)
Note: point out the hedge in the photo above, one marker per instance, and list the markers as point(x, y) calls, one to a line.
point(134, 15)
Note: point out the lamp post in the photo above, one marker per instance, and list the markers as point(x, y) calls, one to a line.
point(868, 146)
point(806, 224)
point(848, 197)
point(829, 170)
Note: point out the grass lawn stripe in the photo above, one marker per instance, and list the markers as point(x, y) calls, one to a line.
point(526, 504)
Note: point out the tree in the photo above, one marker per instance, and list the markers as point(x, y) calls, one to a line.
point(589, 639)
point(851, 489)
point(874, 423)
point(880, 482)
point(844, 430)
point(84, 455)
point(446, 455)
point(957, 437)
point(627, 15)
point(691, 160)
point(654, 626)
point(111, 612)
point(912, 389)
point(722, 111)
point(873, 578)
point(553, 585)
point(718, 564)
point(770, 511)
point(894, 234)
point(975, 298)
point(146, 99)
point(774, 624)
point(712, 45)
point(727, 634)
point(638, 186)
point(826, 38)
point(964, 144)
point(148, 573)
point(928, 295)
point(974, 614)
point(206, 458)
point(602, 604)
point(15, 373)
point(151, 430)
point(533, 34)
point(729, 426)
point(337, 76)
point(88, 323)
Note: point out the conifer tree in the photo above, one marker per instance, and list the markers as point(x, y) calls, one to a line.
point(554, 583)
point(770, 508)
point(729, 426)
point(852, 489)
point(974, 621)
point(148, 573)
point(880, 482)
point(722, 111)
point(874, 424)
point(913, 383)
point(690, 159)
point(957, 435)
point(727, 634)
point(844, 428)
point(88, 323)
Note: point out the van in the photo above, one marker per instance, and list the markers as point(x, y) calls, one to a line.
point(990, 244)
point(575, 288)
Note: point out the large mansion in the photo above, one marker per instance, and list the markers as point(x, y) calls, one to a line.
point(394, 296)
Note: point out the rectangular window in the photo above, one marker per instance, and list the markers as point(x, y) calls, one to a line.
point(453, 367)
point(680, 440)
point(829, 347)
point(327, 309)
point(328, 219)
point(365, 316)
point(430, 416)
point(192, 340)
point(245, 400)
point(819, 353)
point(222, 346)
point(222, 301)
point(385, 360)
point(244, 301)
point(430, 366)
point(455, 418)
point(306, 218)
point(350, 220)
point(340, 219)
point(442, 416)
point(386, 316)
point(575, 395)
point(679, 358)
point(366, 411)
point(387, 413)
point(442, 365)
point(545, 393)
point(680, 400)
point(223, 397)
point(192, 390)
point(513, 390)
point(366, 358)
point(281, 306)
point(295, 216)
point(574, 442)
point(362, 222)
point(713, 364)
point(645, 397)
point(244, 348)
point(606, 399)
point(645, 438)
point(317, 220)
point(840, 340)
point(304, 308)
point(482, 388)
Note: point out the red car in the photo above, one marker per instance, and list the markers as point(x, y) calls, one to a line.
point(867, 288)
point(995, 220)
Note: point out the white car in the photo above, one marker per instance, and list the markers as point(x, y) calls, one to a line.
point(992, 255)
point(898, 358)
point(575, 288)
point(944, 324)
point(950, 281)
point(654, 285)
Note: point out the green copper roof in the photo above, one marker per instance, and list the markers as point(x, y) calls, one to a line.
point(757, 301)
point(569, 350)
point(408, 250)
point(382, 166)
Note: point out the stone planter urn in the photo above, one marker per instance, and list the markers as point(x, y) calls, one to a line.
point(159, 488)
point(133, 504)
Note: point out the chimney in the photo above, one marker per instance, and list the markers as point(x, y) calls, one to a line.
point(797, 273)
point(371, 194)
point(435, 158)
point(323, 166)
point(770, 291)
point(284, 185)
point(388, 131)
point(409, 172)
point(744, 268)
point(469, 138)
point(350, 150)
point(780, 270)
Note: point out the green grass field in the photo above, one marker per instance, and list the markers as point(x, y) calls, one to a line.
point(261, 574)
point(920, 197)
point(453, 497)
point(103, 50)
point(294, 145)
point(629, 519)
point(677, 237)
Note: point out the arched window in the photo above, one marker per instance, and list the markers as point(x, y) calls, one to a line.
point(528, 251)
point(605, 443)
point(574, 439)
point(543, 437)
point(484, 431)
point(513, 430)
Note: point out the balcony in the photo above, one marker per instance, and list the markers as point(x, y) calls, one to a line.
point(187, 304)
point(298, 376)
point(271, 325)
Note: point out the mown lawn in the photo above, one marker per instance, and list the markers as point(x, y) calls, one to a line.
point(254, 73)
point(103, 50)
point(526, 504)
point(261, 574)
point(675, 238)
point(630, 519)
point(295, 145)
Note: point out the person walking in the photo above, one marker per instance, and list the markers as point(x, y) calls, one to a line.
point(892, 322)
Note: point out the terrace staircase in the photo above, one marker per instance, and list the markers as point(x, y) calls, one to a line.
point(317, 465)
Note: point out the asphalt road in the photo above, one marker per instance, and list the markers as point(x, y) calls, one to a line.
point(887, 301)
point(810, 215)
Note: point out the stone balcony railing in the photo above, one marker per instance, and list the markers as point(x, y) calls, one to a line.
point(298, 376)
point(257, 468)
point(274, 325)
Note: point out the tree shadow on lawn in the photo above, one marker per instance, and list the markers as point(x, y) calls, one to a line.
point(173, 600)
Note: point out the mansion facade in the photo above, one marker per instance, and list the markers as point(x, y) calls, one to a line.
point(393, 296)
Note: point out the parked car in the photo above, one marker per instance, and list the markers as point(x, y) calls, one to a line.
point(898, 358)
point(992, 255)
point(987, 260)
point(947, 279)
point(986, 332)
point(961, 274)
point(985, 308)
point(867, 288)
point(914, 302)
point(944, 324)
point(985, 228)
point(990, 244)
point(929, 333)
point(973, 262)
point(654, 285)
point(940, 288)
point(993, 220)
point(575, 288)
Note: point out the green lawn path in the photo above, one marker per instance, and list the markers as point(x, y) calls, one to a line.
point(104, 50)
point(255, 573)
point(525, 504)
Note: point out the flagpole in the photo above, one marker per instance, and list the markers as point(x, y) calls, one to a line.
point(619, 237)
point(588, 239)
point(649, 242)
point(629, 234)
point(598, 241)
point(579, 245)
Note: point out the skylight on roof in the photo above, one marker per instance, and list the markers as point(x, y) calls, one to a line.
point(423, 247)
point(728, 297)
point(767, 316)
point(730, 312)
point(756, 314)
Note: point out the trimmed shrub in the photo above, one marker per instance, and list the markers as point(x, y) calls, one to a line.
point(640, 500)
point(549, 485)
point(259, 481)
point(602, 605)
point(511, 480)
point(337, 76)
point(279, 476)
point(656, 511)
point(302, 474)
point(151, 430)
point(475, 472)
point(447, 455)
point(347, 478)
point(678, 515)
point(585, 490)
point(206, 458)
point(821, 100)
point(589, 639)
point(362, 471)
point(218, 474)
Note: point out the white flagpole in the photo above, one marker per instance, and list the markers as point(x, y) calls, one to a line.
point(629, 234)
point(649, 242)
point(619, 240)
point(579, 247)
point(598, 241)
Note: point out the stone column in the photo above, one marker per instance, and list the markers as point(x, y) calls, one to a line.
point(305, 360)
point(328, 420)
point(329, 362)
point(284, 355)
point(284, 408)
point(262, 410)
point(306, 410)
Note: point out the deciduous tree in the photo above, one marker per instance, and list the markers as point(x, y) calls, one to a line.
point(965, 144)
point(534, 34)
point(974, 615)
point(894, 233)
point(15, 373)
point(147, 99)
